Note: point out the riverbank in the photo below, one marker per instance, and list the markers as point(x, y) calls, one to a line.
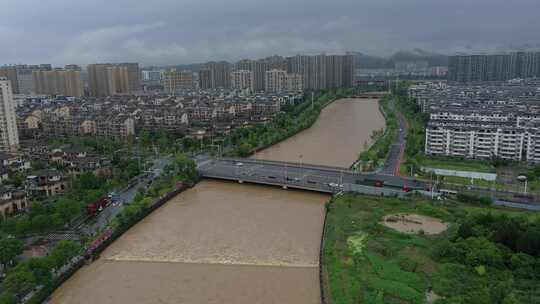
point(246, 141)
point(251, 239)
point(376, 154)
point(330, 141)
point(368, 261)
point(219, 228)
point(177, 177)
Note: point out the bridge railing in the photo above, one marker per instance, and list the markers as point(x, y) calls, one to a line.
point(318, 187)
point(282, 163)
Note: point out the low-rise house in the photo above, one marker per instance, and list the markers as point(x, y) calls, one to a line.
point(12, 201)
point(4, 174)
point(90, 164)
point(46, 182)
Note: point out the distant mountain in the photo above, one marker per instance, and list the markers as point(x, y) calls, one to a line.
point(374, 62)
point(433, 59)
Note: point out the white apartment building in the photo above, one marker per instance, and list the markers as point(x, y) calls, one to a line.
point(275, 81)
point(481, 141)
point(242, 80)
point(9, 136)
point(280, 81)
point(295, 83)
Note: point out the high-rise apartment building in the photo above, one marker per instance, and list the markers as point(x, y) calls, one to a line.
point(174, 80)
point(323, 71)
point(276, 81)
point(134, 76)
point(317, 72)
point(153, 76)
point(215, 75)
point(295, 83)
point(495, 67)
point(25, 80)
point(258, 68)
point(65, 81)
point(111, 79)
point(10, 73)
point(349, 65)
point(334, 71)
point(204, 79)
point(9, 136)
point(242, 80)
point(275, 63)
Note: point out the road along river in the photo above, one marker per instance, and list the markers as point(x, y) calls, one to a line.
point(224, 242)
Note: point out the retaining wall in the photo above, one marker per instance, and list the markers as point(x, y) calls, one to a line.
point(119, 231)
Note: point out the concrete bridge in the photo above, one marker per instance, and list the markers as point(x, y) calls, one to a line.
point(310, 177)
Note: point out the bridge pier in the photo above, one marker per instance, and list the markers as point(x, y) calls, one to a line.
point(240, 181)
point(285, 187)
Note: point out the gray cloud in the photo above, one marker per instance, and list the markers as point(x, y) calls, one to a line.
point(185, 31)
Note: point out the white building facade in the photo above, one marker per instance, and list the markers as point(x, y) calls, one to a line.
point(9, 136)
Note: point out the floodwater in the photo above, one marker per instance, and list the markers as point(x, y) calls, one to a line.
point(223, 242)
point(335, 139)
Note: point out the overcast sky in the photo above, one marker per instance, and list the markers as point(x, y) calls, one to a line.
point(189, 31)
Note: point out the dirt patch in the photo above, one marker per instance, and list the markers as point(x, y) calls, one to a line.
point(432, 297)
point(414, 223)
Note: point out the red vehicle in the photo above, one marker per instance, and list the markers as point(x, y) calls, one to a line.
point(379, 183)
point(97, 206)
point(406, 189)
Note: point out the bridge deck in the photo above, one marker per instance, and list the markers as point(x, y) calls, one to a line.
point(293, 175)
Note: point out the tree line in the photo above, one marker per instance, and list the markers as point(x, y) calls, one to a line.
point(491, 259)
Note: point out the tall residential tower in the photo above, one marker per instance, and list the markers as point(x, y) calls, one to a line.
point(9, 136)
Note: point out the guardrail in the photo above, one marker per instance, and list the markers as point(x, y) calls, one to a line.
point(304, 186)
point(282, 163)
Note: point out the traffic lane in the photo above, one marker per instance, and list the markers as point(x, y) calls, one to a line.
point(252, 168)
point(272, 171)
point(306, 178)
point(125, 196)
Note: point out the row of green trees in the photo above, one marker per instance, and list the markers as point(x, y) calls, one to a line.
point(40, 271)
point(181, 169)
point(246, 140)
point(490, 259)
point(50, 215)
point(382, 139)
point(417, 122)
point(292, 120)
point(37, 271)
point(145, 142)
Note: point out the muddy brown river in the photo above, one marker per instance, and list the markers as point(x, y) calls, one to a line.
point(223, 242)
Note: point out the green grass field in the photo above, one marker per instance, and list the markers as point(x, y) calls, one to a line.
point(370, 263)
point(458, 164)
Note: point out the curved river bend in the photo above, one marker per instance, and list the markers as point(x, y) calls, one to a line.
point(223, 242)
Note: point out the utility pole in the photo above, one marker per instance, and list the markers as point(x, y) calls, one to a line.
point(312, 102)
